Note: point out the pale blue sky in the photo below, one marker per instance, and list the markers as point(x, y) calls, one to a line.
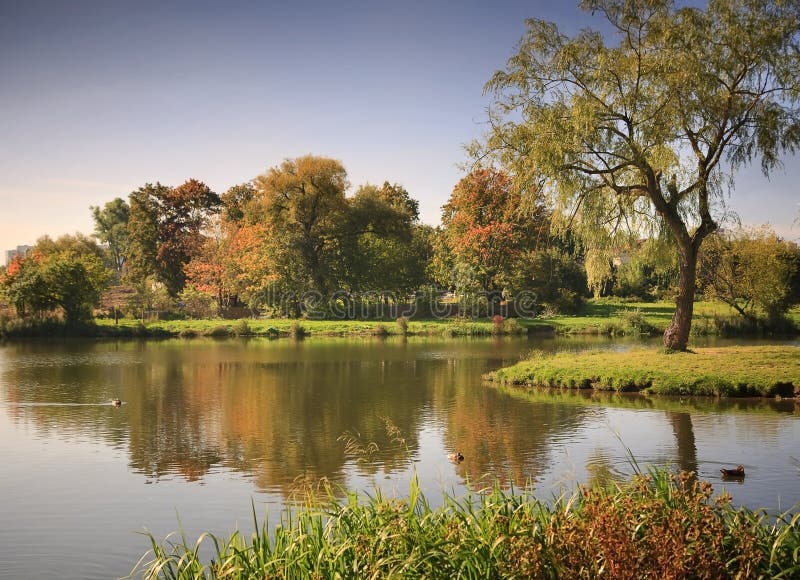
point(99, 97)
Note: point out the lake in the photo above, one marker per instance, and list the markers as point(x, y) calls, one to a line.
point(207, 427)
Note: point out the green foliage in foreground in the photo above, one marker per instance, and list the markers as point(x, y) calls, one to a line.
point(729, 371)
point(659, 525)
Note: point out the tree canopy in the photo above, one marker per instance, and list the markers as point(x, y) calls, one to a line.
point(750, 270)
point(66, 274)
point(641, 127)
point(165, 230)
point(111, 228)
point(304, 198)
point(487, 230)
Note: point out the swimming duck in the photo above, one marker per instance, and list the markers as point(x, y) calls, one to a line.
point(116, 402)
point(738, 472)
point(457, 457)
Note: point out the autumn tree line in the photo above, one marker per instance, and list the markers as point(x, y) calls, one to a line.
point(291, 242)
point(603, 171)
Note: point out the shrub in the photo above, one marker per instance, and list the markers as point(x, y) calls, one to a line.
point(221, 331)
point(634, 322)
point(242, 328)
point(512, 326)
point(402, 325)
point(297, 331)
point(198, 304)
point(497, 324)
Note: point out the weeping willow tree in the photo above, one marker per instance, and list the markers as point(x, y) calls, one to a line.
point(641, 126)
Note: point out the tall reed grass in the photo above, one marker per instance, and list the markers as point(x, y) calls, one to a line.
point(657, 525)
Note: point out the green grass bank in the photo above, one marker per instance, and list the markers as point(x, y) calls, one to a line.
point(599, 317)
point(611, 317)
point(729, 371)
point(277, 328)
point(656, 526)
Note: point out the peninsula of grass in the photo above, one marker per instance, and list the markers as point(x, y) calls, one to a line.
point(656, 526)
point(729, 371)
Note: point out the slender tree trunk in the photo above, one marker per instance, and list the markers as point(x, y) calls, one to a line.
point(677, 334)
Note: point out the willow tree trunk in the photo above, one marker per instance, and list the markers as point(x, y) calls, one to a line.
point(677, 334)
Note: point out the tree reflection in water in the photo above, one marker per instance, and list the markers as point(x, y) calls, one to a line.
point(275, 411)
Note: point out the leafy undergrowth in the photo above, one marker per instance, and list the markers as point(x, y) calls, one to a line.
point(659, 525)
point(728, 371)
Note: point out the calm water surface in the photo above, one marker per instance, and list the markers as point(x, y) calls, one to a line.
point(209, 426)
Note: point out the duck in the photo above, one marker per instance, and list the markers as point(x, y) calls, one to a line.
point(456, 457)
point(738, 472)
point(116, 402)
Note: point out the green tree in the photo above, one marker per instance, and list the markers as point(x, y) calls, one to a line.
point(66, 274)
point(143, 232)
point(383, 247)
point(646, 269)
point(25, 287)
point(556, 278)
point(236, 200)
point(749, 269)
point(303, 202)
point(111, 228)
point(647, 129)
point(75, 283)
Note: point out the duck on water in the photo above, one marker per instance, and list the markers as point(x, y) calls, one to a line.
point(738, 471)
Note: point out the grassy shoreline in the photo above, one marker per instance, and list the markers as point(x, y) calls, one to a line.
point(608, 316)
point(764, 371)
point(656, 525)
point(599, 317)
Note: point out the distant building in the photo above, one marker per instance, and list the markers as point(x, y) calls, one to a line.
point(19, 251)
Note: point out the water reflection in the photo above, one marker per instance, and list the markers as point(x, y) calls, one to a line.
point(274, 411)
point(684, 440)
point(214, 425)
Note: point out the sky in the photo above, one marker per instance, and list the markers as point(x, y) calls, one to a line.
point(98, 98)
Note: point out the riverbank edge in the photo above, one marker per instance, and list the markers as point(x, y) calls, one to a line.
point(280, 328)
point(735, 371)
point(658, 524)
point(600, 318)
